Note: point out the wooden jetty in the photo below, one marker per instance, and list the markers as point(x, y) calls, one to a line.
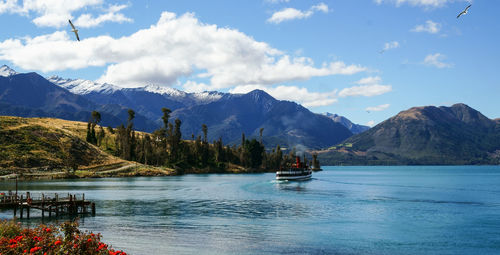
point(52, 204)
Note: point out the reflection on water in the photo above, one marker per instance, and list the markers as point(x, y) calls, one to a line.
point(342, 210)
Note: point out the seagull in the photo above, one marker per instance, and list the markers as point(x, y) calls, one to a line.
point(464, 11)
point(74, 30)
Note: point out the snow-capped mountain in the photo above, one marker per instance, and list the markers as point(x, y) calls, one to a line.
point(164, 91)
point(206, 96)
point(354, 128)
point(83, 87)
point(6, 71)
point(227, 115)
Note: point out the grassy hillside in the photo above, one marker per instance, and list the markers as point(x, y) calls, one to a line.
point(48, 144)
point(41, 146)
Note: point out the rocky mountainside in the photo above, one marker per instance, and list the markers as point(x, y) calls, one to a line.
point(424, 135)
point(284, 122)
point(354, 128)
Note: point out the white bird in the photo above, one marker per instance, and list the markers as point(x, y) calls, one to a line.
point(464, 11)
point(74, 30)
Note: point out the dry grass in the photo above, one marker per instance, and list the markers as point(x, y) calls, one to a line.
point(59, 129)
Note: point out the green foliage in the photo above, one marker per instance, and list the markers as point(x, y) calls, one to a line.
point(9, 229)
point(164, 147)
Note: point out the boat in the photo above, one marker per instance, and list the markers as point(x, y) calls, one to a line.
point(296, 172)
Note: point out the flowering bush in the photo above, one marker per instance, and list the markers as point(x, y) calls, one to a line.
point(46, 240)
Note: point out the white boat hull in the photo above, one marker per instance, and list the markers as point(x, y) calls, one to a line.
point(293, 175)
point(294, 178)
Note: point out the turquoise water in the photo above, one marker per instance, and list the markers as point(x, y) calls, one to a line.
point(342, 210)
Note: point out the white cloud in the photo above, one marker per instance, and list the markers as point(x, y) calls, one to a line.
point(429, 27)
point(300, 95)
point(87, 20)
point(369, 87)
point(390, 45)
point(173, 48)
point(292, 13)
point(370, 123)
point(365, 90)
point(423, 3)
point(369, 80)
point(55, 13)
point(377, 108)
point(436, 60)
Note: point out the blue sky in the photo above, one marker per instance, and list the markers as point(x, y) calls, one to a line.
point(364, 59)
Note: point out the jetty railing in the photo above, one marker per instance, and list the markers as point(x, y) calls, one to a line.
point(51, 203)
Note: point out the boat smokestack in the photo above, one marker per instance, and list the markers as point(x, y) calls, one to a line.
point(298, 161)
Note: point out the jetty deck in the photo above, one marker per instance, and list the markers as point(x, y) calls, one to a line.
point(52, 204)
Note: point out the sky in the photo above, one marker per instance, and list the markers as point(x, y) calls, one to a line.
point(364, 59)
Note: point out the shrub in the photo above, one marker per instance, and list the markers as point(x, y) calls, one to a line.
point(65, 239)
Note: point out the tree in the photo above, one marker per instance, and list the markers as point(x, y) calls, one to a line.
point(204, 129)
point(89, 134)
point(204, 150)
point(96, 117)
point(100, 135)
point(255, 150)
point(166, 116)
point(130, 136)
point(260, 132)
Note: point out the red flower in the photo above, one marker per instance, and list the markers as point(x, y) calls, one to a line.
point(12, 241)
point(35, 249)
point(58, 242)
point(18, 238)
point(75, 246)
point(101, 246)
point(89, 240)
point(13, 246)
point(48, 230)
point(38, 239)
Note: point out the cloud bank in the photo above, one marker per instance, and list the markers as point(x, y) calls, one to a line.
point(55, 13)
point(173, 48)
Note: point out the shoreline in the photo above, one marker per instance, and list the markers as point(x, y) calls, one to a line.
point(129, 170)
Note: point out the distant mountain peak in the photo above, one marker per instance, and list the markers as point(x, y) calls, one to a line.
point(260, 95)
point(7, 71)
point(163, 90)
point(83, 87)
point(354, 128)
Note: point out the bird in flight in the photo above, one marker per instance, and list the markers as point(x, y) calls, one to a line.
point(464, 11)
point(74, 30)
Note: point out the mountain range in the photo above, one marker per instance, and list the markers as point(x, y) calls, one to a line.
point(420, 135)
point(227, 115)
point(423, 135)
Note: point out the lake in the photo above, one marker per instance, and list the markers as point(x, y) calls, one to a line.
point(342, 210)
